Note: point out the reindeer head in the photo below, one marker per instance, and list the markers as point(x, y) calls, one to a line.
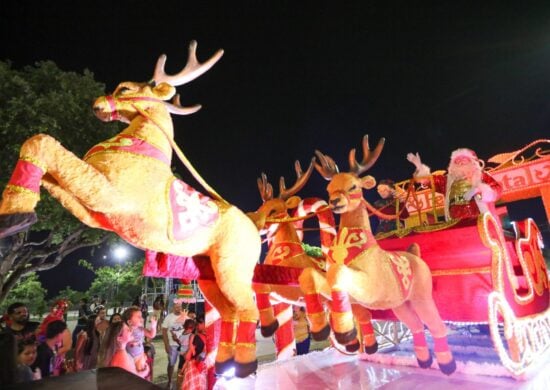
point(345, 189)
point(287, 199)
point(132, 98)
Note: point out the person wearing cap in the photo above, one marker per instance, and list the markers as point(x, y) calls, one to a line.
point(468, 189)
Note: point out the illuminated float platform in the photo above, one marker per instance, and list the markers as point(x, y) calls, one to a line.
point(330, 369)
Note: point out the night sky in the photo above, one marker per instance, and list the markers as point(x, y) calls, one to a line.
point(304, 75)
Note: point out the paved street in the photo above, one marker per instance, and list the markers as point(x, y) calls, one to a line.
point(265, 351)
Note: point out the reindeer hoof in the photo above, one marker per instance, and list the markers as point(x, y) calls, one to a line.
point(242, 370)
point(346, 337)
point(425, 363)
point(370, 349)
point(447, 368)
point(322, 334)
point(353, 347)
point(11, 224)
point(269, 330)
point(222, 367)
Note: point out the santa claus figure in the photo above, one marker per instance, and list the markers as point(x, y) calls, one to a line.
point(468, 190)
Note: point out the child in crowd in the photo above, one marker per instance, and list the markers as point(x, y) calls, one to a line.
point(26, 355)
point(183, 340)
point(133, 318)
point(194, 371)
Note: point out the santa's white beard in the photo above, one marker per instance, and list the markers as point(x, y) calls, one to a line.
point(470, 172)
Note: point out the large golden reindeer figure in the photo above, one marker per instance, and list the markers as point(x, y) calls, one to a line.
point(285, 249)
point(360, 272)
point(126, 185)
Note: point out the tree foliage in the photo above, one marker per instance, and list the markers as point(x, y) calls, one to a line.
point(29, 291)
point(45, 99)
point(73, 296)
point(118, 284)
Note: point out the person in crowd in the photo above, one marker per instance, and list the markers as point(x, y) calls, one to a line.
point(468, 190)
point(83, 313)
point(173, 325)
point(3, 320)
point(87, 346)
point(8, 359)
point(390, 196)
point(18, 321)
point(132, 317)
point(26, 356)
point(191, 314)
point(149, 348)
point(115, 317)
point(113, 349)
point(194, 370)
point(94, 304)
point(183, 340)
point(158, 309)
point(144, 307)
point(301, 330)
point(57, 312)
point(47, 359)
point(101, 322)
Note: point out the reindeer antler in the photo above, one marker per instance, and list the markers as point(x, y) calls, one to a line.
point(192, 70)
point(327, 167)
point(176, 108)
point(301, 180)
point(369, 157)
point(266, 190)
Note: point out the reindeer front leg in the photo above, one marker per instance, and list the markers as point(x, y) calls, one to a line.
point(313, 284)
point(268, 321)
point(339, 280)
point(364, 319)
point(39, 155)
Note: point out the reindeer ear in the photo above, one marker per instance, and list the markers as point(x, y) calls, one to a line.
point(164, 91)
point(368, 182)
point(293, 202)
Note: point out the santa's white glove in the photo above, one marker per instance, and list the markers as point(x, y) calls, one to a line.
point(421, 169)
point(415, 159)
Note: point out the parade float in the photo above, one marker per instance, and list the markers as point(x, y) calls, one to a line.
point(481, 271)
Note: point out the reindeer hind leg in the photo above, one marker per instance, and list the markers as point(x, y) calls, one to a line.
point(407, 315)
point(428, 313)
point(226, 348)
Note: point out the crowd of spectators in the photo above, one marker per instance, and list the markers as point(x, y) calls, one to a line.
point(34, 350)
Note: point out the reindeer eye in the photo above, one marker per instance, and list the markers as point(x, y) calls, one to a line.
point(272, 212)
point(123, 89)
point(353, 188)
